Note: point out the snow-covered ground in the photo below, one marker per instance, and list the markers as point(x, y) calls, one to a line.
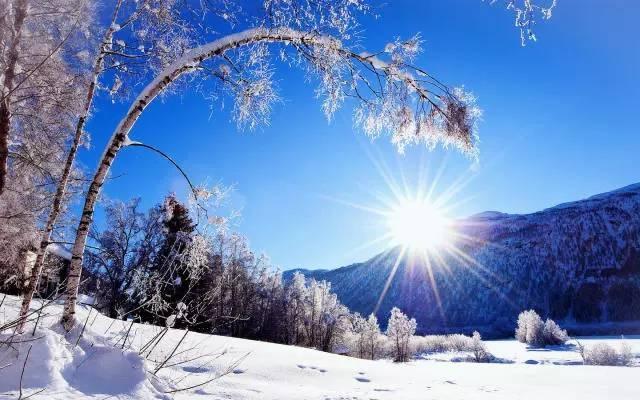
point(99, 368)
point(513, 352)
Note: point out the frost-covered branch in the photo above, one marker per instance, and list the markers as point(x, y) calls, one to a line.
point(527, 13)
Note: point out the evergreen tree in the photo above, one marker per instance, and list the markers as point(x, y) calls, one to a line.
point(171, 265)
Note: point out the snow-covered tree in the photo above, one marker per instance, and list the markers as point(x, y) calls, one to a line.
point(40, 88)
point(553, 334)
point(35, 41)
point(373, 337)
point(478, 348)
point(357, 336)
point(529, 329)
point(122, 253)
point(534, 332)
point(325, 317)
point(295, 294)
point(400, 329)
point(367, 338)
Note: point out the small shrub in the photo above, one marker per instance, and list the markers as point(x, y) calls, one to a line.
point(552, 334)
point(441, 343)
point(479, 349)
point(532, 331)
point(605, 354)
point(458, 342)
point(530, 328)
point(452, 343)
point(625, 355)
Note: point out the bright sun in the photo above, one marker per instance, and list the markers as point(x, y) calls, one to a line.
point(419, 225)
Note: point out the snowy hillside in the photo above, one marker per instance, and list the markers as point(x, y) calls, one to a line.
point(101, 367)
point(577, 262)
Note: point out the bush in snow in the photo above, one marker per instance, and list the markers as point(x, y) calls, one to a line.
point(441, 343)
point(605, 354)
point(530, 327)
point(400, 329)
point(452, 343)
point(553, 334)
point(532, 331)
point(479, 349)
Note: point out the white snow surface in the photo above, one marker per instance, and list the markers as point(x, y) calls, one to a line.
point(99, 368)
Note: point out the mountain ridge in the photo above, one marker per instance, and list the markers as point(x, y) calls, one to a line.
point(577, 262)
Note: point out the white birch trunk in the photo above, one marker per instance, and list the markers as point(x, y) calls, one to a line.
point(19, 15)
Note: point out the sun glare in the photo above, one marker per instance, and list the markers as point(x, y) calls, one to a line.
point(419, 225)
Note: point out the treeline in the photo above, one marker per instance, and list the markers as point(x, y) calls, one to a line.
point(157, 267)
point(160, 267)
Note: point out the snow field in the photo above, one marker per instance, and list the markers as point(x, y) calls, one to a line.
point(99, 368)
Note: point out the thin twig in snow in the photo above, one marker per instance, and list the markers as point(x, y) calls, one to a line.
point(24, 366)
point(226, 372)
point(84, 326)
point(172, 352)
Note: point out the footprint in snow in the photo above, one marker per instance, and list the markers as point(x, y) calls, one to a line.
point(302, 366)
point(195, 370)
point(238, 371)
point(322, 370)
point(362, 379)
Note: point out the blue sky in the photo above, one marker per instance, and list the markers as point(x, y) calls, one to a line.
point(559, 124)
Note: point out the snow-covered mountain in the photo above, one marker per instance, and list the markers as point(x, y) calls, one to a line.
point(575, 262)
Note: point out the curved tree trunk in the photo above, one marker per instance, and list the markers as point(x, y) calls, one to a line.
point(119, 139)
point(36, 271)
point(19, 15)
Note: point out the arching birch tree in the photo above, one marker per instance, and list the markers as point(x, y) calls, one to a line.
point(136, 39)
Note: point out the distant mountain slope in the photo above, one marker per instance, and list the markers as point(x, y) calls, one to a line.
point(576, 262)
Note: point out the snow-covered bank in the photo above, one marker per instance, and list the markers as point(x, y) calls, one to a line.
point(514, 352)
point(99, 368)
